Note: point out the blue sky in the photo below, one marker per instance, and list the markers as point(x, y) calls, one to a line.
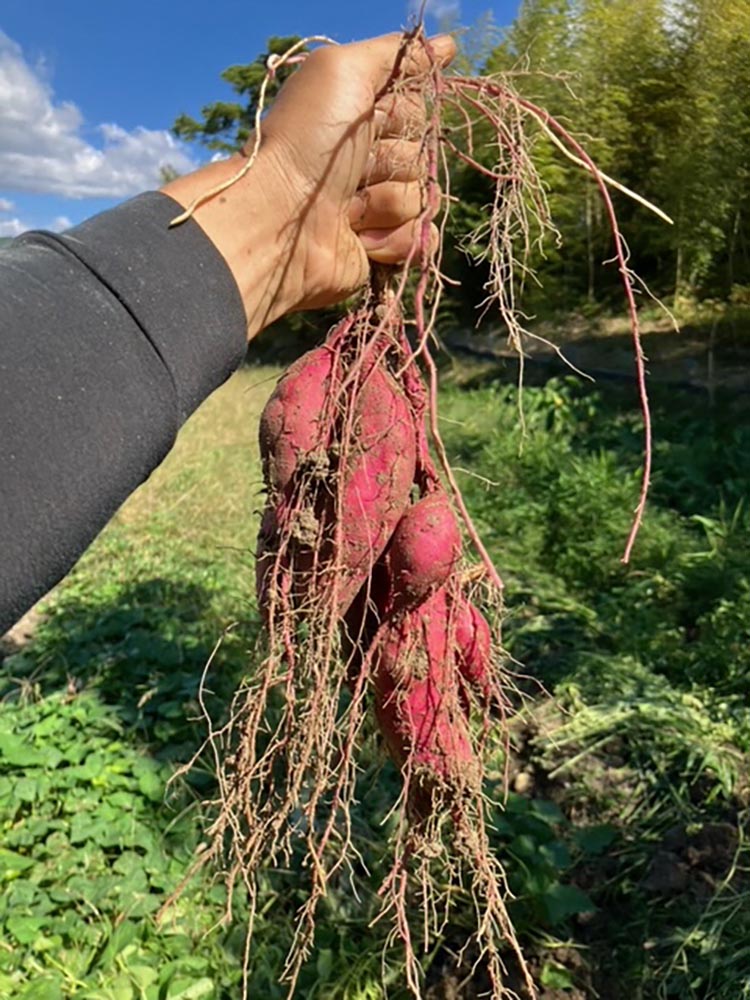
point(89, 88)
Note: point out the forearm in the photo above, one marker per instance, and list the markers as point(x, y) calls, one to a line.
point(114, 332)
point(112, 335)
point(255, 225)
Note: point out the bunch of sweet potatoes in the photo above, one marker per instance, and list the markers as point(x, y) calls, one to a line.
point(356, 519)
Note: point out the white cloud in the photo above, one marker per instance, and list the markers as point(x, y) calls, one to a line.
point(5, 205)
point(12, 227)
point(16, 226)
point(42, 150)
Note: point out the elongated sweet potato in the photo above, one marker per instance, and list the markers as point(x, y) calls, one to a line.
point(418, 703)
point(474, 642)
point(377, 478)
point(335, 495)
point(292, 425)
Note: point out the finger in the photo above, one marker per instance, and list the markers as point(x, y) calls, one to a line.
point(386, 206)
point(393, 56)
point(394, 246)
point(419, 55)
point(441, 48)
point(394, 160)
point(400, 116)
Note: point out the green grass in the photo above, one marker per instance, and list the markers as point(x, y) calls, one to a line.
point(650, 728)
point(97, 710)
point(625, 832)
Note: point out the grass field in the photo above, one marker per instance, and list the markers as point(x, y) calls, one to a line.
point(625, 828)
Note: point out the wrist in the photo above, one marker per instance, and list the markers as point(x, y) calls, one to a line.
point(254, 224)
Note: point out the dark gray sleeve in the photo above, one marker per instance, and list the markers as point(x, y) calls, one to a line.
point(110, 336)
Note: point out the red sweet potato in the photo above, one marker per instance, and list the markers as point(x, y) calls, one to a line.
point(335, 494)
point(417, 697)
point(423, 552)
point(474, 642)
point(291, 425)
point(377, 479)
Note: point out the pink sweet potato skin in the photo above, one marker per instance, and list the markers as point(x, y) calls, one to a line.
point(424, 551)
point(417, 698)
point(474, 642)
point(290, 425)
point(319, 483)
point(377, 482)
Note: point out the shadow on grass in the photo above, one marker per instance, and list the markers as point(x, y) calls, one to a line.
point(142, 649)
point(633, 822)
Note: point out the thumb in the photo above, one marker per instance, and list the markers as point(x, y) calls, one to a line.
point(410, 57)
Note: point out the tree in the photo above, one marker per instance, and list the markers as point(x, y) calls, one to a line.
point(226, 125)
point(658, 91)
point(707, 171)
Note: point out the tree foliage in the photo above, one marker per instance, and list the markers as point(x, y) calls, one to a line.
point(658, 91)
point(226, 125)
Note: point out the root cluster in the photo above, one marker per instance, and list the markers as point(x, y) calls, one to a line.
point(352, 445)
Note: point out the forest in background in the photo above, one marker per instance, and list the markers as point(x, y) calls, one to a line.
point(657, 91)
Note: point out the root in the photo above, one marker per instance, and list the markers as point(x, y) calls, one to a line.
point(441, 863)
point(274, 63)
point(286, 759)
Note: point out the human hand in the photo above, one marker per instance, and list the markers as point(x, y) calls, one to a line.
point(337, 182)
point(349, 149)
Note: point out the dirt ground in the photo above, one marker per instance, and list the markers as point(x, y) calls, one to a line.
point(702, 356)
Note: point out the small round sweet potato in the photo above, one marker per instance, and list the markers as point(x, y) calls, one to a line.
point(424, 550)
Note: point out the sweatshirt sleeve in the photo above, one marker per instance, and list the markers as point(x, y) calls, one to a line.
point(111, 334)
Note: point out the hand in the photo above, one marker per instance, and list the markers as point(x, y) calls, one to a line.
point(337, 182)
point(351, 160)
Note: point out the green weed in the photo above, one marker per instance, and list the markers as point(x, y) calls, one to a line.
point(625, 840)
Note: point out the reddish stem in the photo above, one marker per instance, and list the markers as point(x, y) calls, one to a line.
point(640, 358)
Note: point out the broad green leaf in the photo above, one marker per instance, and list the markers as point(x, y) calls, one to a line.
point(18, 753)
point(547, 811)
point(324, 964)
point(12, 864)
point(83, 827)
point(557, 854)
point(563, 901)
point(8, 984)
point(143, 975)
point(190, 989)
point(557, 977)
point(47, 988)
point(24, 929)
point(595, 839)
point(22, 894)
point(26, 789)
point(122, 988)
point(151, 785)
point(120, 938)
